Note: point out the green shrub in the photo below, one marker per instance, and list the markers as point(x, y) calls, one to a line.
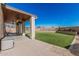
point(67, 32)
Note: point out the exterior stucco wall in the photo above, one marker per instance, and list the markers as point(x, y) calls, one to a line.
point(10, 25)
point(10, 18)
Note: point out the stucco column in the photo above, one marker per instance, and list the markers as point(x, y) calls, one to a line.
point(23, 27)
point(1, 22)
point(32, 27)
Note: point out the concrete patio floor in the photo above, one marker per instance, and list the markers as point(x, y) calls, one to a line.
point(26, 47)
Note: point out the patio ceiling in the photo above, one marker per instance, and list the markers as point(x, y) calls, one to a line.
point(17, 13)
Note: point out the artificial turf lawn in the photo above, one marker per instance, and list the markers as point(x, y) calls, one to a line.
point(62, 40)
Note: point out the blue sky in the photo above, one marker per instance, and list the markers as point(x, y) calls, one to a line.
point(52, 14)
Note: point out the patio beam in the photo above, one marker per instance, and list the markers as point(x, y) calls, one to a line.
point(32, 27)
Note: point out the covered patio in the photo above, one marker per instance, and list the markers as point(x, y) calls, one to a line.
point(12, 21)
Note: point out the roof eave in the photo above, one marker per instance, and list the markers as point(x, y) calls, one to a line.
point(17, 10)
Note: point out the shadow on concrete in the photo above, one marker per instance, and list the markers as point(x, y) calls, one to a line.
point(28, 36)
point(67, 47)
point(75, 49)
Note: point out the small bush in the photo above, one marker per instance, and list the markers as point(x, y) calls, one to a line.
point(67, 32)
